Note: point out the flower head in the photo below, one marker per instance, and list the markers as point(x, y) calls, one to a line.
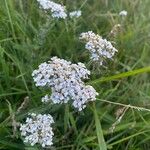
point(65, 81)
point(37, 129)
point(99, 48)
point(123, 13)
point(117, 28)
point(57, 10)
point(75, 14)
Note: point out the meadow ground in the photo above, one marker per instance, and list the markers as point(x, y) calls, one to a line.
point(121, 113)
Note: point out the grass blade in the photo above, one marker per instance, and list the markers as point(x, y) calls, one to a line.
point(101, 140)
point(121, 75)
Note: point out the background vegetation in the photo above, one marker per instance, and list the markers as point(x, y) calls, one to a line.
point(28, 37)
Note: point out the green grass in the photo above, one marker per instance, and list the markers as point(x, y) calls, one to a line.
point(27, 39)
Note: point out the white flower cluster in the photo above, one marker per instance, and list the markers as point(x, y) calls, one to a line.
point(65, 81)
point(38, 130)
point(57, 10)
point(75, 14)
point(123, 13)
point(99, 48)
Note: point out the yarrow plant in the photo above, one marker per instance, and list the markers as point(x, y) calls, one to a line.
point(75, 14)
point(37, 129)
point(100, 48)
point(65, 81)
point(63, 78)
point(57, 10)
